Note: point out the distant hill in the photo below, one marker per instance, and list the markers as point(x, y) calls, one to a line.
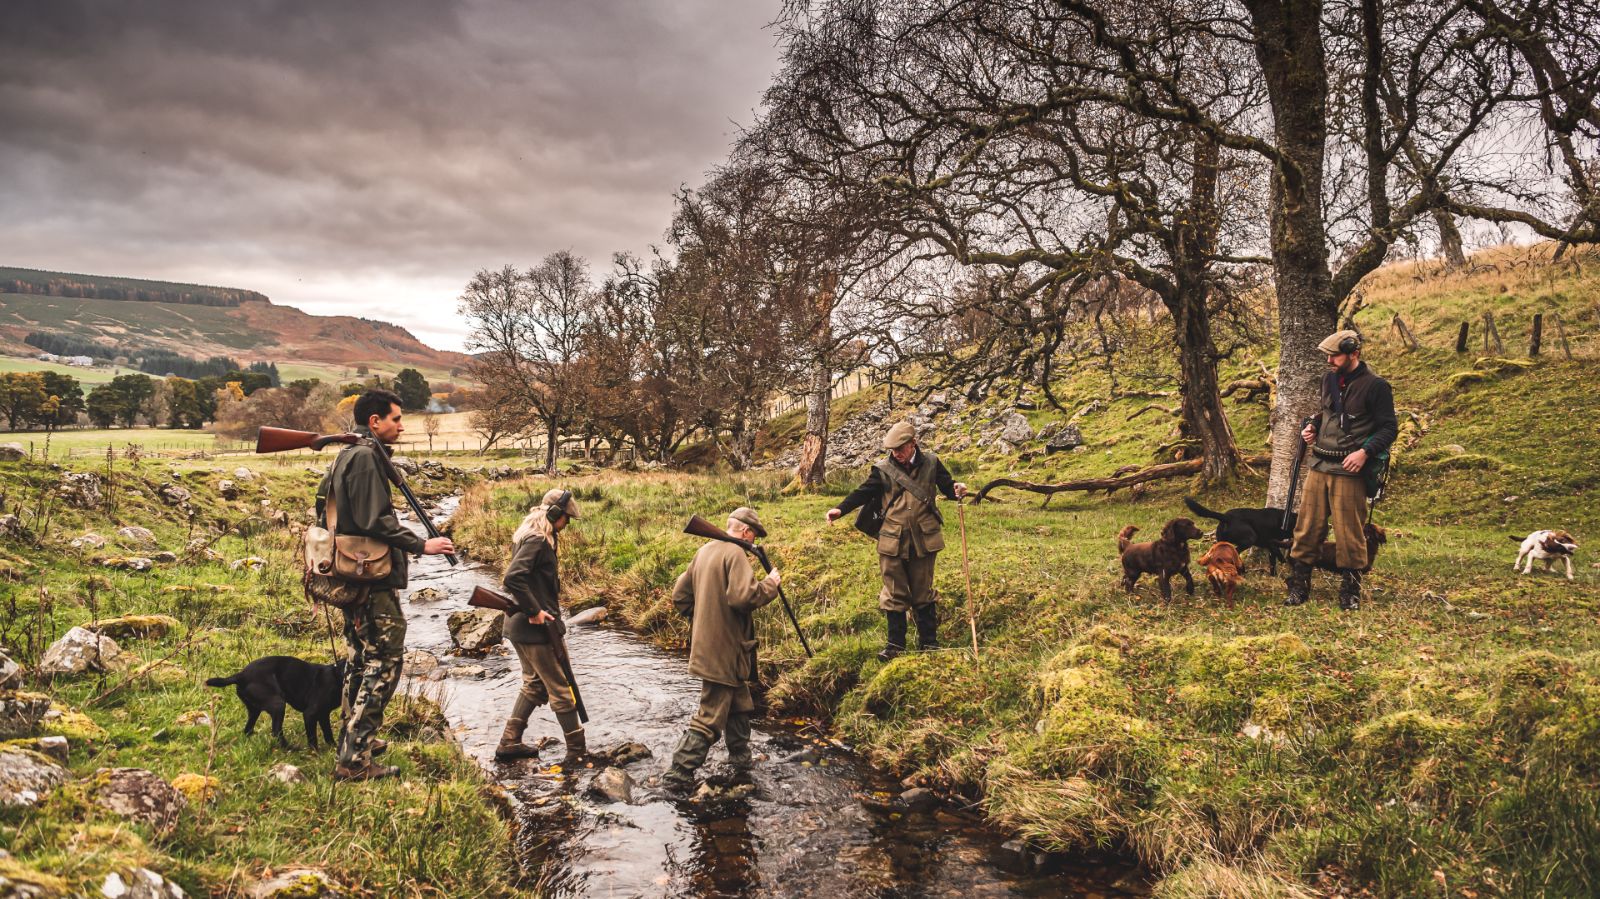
point(198, 321)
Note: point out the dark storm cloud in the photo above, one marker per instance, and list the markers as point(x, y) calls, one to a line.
point(366, 154)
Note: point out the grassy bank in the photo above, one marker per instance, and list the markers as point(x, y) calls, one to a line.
point(1442, 741)
point(428, 833)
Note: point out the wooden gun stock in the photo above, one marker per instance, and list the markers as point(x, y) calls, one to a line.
point(278, 440)
point(484, 598)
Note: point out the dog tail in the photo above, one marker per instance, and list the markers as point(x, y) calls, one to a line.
point(222, 681)
point(1514, 538)
point(1202, 511)
point(1125, 537)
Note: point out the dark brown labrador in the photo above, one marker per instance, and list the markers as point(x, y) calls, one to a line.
point(1163, 558)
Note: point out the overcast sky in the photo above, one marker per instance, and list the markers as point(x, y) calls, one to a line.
point(361, 157)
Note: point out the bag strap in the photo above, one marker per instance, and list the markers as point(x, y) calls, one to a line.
point(898, 475)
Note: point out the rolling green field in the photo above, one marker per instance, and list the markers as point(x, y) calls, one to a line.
point(122, 320)
point(97, 375)
point(91, 443)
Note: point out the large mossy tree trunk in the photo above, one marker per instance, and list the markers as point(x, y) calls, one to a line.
point(813, 469)
point(1288, 44)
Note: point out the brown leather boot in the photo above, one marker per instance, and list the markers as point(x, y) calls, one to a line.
point(511, 746)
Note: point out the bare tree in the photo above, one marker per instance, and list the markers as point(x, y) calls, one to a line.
point(529, 329)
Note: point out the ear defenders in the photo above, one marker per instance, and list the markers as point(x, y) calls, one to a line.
point(1349, 345)
point(559, 507)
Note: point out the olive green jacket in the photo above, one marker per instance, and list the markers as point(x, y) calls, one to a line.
point(534, 582)
point(721, 592)
point(366, 507)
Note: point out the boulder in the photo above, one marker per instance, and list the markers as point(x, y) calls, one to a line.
point(1014, 428)
point(227, 489)
point(919, 799)
point(165, 557)
point(53, 747)
point(428, 594)
point(10, 672)
point(27, 776)
point(12, 452)
point(623, 754)
point(140, 883)
point(11, 526)
point(477, 672)
point(1067, 437)
point(406, 464)
point(78, 651)
point(475, 629)
point(248, 563)
point(243, 474)
point(588, 617)
point(138, 794)
point(420, 663)
point(81, 489)
point(88, 540)
point(613, 784)
point(21, 713)
point(173, 495)
point(296, 883)
point(193, 718)
point(129, 626)
point(284, 772)
point(22, 883)
point(128, 563)
point(135, 537)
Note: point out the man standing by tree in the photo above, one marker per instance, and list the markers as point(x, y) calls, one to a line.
point(375, 630)
point(1349, 437)
point(911, 534)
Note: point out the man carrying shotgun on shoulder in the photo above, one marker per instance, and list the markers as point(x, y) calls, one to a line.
point(354, 499)
point(720, 593)
point(536, 632)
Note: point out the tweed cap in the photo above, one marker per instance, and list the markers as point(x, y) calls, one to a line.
point(1330, 344)
point(552, 497)
point(899, 435)
point(748, 516)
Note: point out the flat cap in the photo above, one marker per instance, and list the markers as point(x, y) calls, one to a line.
point(1330, 344)
point(899, 435)
point(748, 516)
point(552, 499)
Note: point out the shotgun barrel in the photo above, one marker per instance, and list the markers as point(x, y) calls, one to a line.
point(278, 440)
point(699, 527)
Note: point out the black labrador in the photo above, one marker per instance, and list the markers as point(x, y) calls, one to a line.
point(268, 683)
point(1246, 528)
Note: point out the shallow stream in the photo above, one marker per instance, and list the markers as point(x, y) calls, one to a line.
point(820, 822)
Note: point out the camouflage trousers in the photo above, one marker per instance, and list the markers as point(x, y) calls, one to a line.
point(375, 635)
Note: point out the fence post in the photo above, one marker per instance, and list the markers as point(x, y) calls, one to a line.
point(1491, 333)
point(1461, 339)
point(1538, 332)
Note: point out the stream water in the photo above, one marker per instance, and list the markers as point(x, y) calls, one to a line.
point(820, 822)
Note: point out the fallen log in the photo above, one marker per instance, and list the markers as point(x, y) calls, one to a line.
point(1109, 484)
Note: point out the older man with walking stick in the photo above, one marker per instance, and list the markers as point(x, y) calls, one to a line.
point(899, 508)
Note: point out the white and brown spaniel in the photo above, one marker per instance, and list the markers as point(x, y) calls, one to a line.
point(1546, 547)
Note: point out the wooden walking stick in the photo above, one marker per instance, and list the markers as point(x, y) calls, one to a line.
point(966, 572)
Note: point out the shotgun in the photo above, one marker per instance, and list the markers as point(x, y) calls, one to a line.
point(1294, 473)
point(484, 598)
point(699, 527)
point(277, 440)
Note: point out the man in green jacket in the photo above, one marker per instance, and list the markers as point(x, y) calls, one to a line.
point(374, 631)
point(721, 594)
point(906, 486)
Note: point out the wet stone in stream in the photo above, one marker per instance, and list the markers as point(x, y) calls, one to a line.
point(812, 827)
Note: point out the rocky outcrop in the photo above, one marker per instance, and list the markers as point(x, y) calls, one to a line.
point(474, 630)
point(27, 776)
point(613, 784)
point(78, 651)
point(296, 883)
point(81, 489)
point(227, 489)
point(135, 537)
point(140, 883)
point(140, 795)
point(12, 452)
point(173, 495)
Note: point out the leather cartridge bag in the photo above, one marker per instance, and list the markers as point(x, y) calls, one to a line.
point(348, 557)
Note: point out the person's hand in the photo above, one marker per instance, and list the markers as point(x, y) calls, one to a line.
point(1354, 462)
point(833, 515)
point(961, 490)
point(1309, 434)
point(542, 618)
point(774, 578)
point(438, 546)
